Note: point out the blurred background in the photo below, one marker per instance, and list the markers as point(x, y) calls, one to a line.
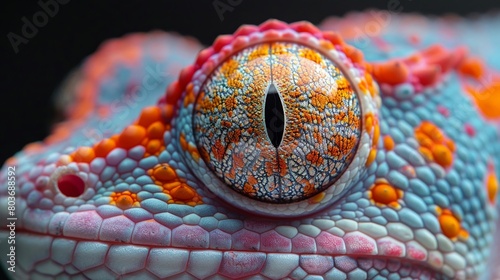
point(32, 71)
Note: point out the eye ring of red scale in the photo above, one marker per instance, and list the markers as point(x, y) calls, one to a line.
point(295, 204)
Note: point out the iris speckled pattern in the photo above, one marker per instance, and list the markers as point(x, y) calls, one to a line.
point(282, 151)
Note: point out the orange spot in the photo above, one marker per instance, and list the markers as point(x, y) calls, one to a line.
point(371, 157)
point(434, 145)
point(472, 67)
point(326, 44)
point(156, 130)
point(314, 157)
point(319, 101)
point(190, 96)
point(442, 155)
point(450, 225)
point(103, 148)
point(354, 54)
point(249, 189)
point(63, 160)
point(153, 146)
point(311, 55)
point(259, 51)
point(165, 176)
point(392, 72)
point(492, 185)
point(235, 79)
point(124, 200)
point(376, 134)
point(487, 99)
point(426, 153)
point(182, 192)
point(149, 115)
point(183, 142)
point(369, 122)
point(384, 193)
point(317, 198)
point(463, 234)
point(189, 147)
point(388, 143)
point(131, 136)
point(218, 150)
point(279, 48)
point(164, 173)
point(83, 154)
point(369, 85)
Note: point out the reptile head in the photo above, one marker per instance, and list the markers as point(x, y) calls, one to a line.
point(280, 152)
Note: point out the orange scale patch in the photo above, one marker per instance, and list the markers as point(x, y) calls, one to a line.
point(147, 131)
point(314, 157)
point(154, 147)
point(317, 198)
point(103, 147)
point(450, 225)
point(391, 72)
point(388, 143)
point(155, 130)
point(311, 55)
point(384, 194)
point(124, 200)
point(165, 176)
point(83, 154)
point(319, 101)
point(149, 115)
point(372, 127)
point(487, 98)
point(434, 144)
point(235, 80)
point(279, 48)
point(131, 136)
point(366, 85)
point(259, 51)
point(190, 96)
point(472, 67)
point(491, 184)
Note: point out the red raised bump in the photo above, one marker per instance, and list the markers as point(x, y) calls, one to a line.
point(221, 41)
point(245, 30)
point(71, 185)
point(273, 24)
point(304, 26)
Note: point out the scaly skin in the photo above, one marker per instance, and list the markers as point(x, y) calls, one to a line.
point(383, 163)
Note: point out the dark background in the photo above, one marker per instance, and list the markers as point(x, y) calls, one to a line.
point(29, 77)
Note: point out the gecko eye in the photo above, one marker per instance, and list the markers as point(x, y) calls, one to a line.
point(71, 185)
point(278, 123)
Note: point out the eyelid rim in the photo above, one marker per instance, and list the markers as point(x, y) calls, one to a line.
point(196, 75)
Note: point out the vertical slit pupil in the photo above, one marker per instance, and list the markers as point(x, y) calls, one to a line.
point(274, 116)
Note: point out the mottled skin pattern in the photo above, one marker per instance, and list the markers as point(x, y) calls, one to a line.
point(387, 167)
